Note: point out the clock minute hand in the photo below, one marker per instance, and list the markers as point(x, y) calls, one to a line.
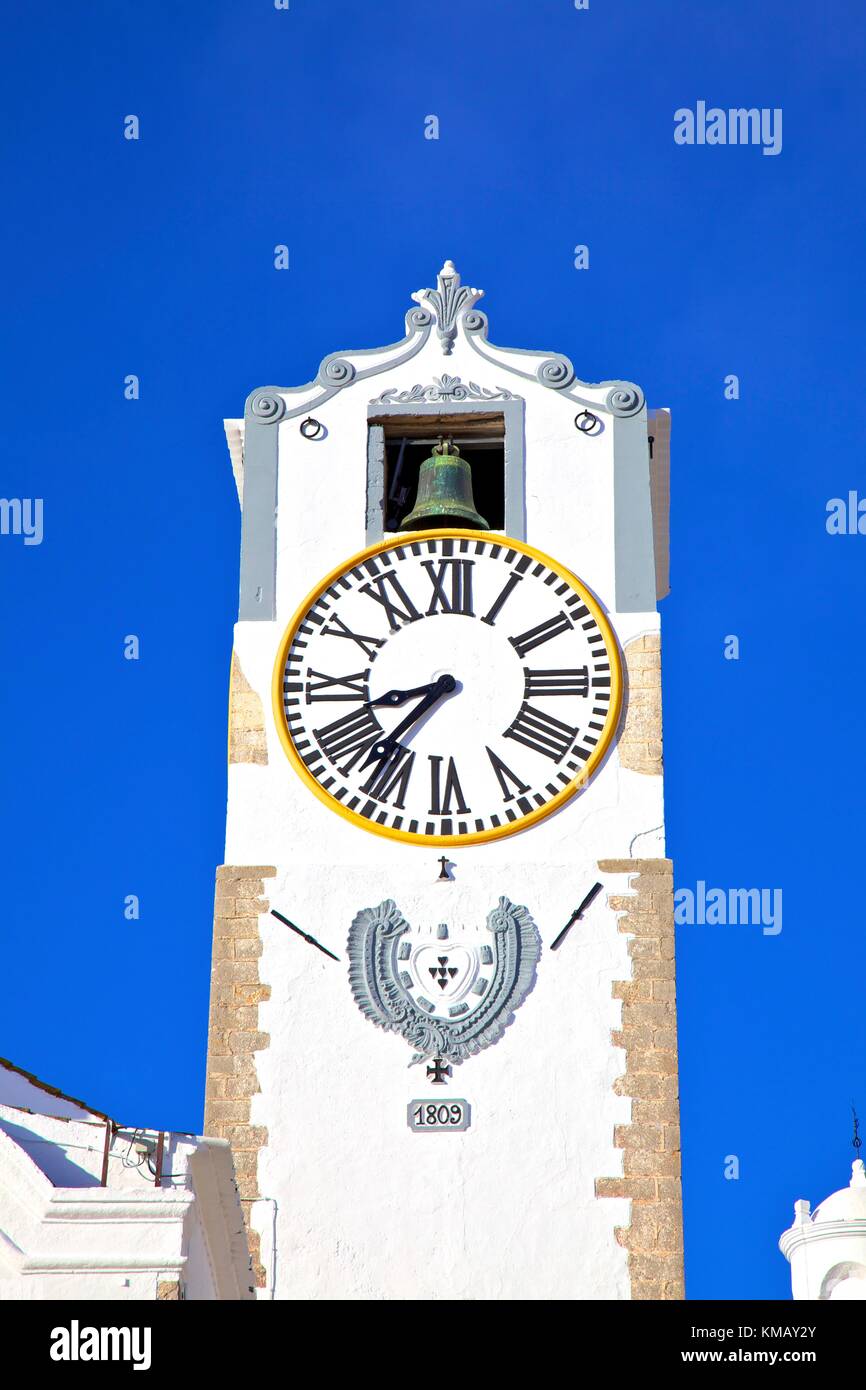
point(443, 686)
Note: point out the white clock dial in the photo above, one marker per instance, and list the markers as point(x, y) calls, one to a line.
point(450, 687)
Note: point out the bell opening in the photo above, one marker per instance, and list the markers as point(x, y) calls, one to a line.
point(481, 442)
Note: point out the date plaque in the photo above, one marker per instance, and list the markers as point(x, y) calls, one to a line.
point(438, 1116)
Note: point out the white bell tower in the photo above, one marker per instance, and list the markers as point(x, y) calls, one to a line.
point(443, 1030)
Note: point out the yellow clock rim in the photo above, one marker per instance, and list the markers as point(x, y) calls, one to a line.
point(479, 836)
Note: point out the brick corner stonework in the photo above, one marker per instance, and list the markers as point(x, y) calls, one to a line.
point(233, 1030)
point(651, 1141)
point(640, 743)
point(247, 739)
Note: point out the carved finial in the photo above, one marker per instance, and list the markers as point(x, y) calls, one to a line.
point(448, 302)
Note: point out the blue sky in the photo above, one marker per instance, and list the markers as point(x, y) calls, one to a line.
point(155, 257)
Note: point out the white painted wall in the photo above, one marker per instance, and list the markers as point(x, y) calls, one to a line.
point(64, 1236)
point(23, 1090)
point(365, 1209)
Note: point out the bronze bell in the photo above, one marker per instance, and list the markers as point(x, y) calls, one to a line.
point(444, 493)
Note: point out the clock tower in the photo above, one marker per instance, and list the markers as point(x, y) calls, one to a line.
point(443, 1031)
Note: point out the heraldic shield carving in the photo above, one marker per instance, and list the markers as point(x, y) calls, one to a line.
point(448, 993)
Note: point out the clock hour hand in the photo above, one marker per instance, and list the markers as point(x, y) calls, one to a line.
point(399, 697)
point(387, 746)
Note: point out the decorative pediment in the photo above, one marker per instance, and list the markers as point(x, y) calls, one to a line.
point(450, 309)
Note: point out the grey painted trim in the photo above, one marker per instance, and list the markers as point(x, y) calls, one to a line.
point(259, 523)
point(515, 469)
point(375, 528)
point(515, 456)
point(635, 583)
point(265, 408)
point(452, 306)
point(336, 372)
point(554, 370)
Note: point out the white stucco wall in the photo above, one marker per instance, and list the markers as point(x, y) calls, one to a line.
point(65, 1236)
point(832, 1266)
point(25, 1092)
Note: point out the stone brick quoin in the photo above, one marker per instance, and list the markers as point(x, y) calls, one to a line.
point(234, 1036)
point(247, 738)
point(651, 1141)
point(640, 743)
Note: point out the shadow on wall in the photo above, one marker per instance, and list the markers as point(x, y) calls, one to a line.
point(50, 1156)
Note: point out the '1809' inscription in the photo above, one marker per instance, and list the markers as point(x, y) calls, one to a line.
point(438, 1116)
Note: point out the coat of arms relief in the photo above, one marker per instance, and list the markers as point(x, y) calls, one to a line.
point(449, 991)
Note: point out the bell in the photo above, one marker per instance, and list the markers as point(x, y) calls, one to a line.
point(444, 493)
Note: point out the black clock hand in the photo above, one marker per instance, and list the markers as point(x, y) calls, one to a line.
point(443, 686)
point(387, 746)
point(399, 697)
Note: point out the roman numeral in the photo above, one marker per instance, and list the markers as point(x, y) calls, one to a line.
point(369, 645)
point(543, 633)
point(354, 686)
point(392, 775)
point(440, 803)
point(348, 737)
point(542, 732)
point(460, 598)
point(491, 616)
point(387, 590)
point(574, 682)
point(504, 776)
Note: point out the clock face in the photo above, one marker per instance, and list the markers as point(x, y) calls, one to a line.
point(447, 688)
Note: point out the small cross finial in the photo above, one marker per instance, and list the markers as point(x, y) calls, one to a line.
point(443, 872)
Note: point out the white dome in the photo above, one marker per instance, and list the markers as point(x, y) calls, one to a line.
point(849, 1203)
